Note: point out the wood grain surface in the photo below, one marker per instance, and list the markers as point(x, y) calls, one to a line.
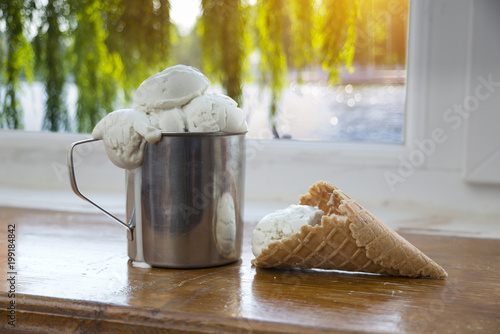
point(73, 275)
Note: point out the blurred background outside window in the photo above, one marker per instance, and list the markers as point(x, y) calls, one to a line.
point(328, 70)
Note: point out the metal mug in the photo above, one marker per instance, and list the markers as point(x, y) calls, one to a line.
point(184, 205)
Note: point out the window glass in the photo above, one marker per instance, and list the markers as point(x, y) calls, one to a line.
point(365, 105)
point(353, 91)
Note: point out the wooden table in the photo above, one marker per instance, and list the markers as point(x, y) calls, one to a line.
point(72, 274)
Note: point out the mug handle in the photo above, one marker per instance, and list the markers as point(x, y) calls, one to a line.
point(74, 186)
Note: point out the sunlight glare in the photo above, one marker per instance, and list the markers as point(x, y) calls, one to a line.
point(334, 120)
point(183, 14)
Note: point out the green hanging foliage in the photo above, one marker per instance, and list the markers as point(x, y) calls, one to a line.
point(19, 59)
point(338, 35)
point(50, 63)
point(324, 29)
point(224, 43)
point(97, 72)
point(186, 48)
point(140, 32)
point(381, 30)
point(272, 65)
point(110, 46)
point(303, 16)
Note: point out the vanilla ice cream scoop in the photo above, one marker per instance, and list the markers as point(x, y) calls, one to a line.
point(173, 100)
point(173, 87)
point(214, 112)
point(125, 132)
point(282, 224)
point(171, 120)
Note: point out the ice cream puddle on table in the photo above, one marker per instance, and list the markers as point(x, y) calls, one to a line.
point(175, 101)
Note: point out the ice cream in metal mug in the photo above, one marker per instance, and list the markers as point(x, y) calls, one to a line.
point(184, 206)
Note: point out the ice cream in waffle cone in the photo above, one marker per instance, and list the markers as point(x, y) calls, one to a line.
point(348, 238)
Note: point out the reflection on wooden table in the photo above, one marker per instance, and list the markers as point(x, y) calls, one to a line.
point(73, 274)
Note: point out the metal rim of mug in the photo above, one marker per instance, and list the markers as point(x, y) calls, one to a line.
point(202, 134)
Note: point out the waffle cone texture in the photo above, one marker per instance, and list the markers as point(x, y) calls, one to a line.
point(349, 238)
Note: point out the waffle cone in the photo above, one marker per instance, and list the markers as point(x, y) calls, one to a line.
point(349, 238)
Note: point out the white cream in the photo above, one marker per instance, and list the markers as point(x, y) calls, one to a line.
point(173, 100)
point(282, 224)
point(172, 120)
point(173, 87)
point(214, 112)
point(125, 133)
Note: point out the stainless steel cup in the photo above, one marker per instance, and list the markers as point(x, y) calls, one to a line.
point(190, 188)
